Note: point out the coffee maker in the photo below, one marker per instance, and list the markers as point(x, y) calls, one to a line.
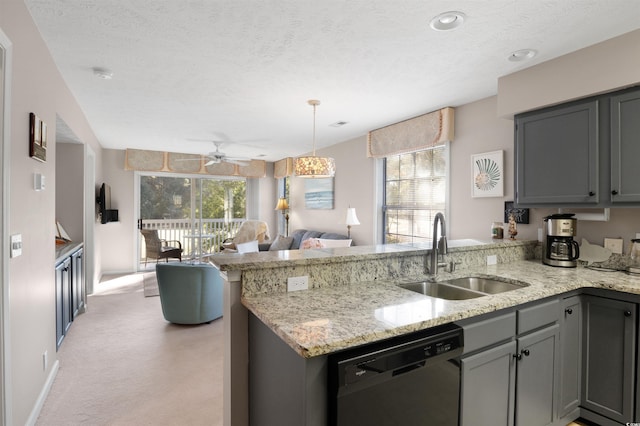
point(559, 247)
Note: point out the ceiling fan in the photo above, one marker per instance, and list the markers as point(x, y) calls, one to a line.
point(217, 157)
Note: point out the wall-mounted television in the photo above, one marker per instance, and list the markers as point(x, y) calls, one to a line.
point(107, 214)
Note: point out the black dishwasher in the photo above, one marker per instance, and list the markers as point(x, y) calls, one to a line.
point(407, 380)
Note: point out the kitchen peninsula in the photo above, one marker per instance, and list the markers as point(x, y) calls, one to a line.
point(354, 298)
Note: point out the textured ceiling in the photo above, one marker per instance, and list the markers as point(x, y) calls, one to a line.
point(241, 71)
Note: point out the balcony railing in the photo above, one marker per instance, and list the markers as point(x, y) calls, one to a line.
point(194, 240)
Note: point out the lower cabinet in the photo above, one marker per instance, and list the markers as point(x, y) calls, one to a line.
point(570, 358)
point(488, 379)
point(609, 348)
point(536, 377)
point(513, 381)
point(69, 292)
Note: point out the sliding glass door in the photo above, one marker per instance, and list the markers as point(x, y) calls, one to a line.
point(195, 213)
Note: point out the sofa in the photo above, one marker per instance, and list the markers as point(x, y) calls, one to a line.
point(303, 239)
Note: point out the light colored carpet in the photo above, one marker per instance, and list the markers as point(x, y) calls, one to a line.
point(150, 284)
point(123, 364)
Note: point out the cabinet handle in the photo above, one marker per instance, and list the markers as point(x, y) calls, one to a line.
point(526, 352)
point(591, 193)
point(614, 192)
point(568, 311)
point(627, 313)
point(517, 356)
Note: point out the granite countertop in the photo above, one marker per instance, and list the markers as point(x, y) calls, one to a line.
point(274, 259)
point(323, 320)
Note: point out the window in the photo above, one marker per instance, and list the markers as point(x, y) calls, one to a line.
point(415, 188)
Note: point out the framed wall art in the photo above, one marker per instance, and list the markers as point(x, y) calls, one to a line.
point(37, 138)
point(318, 193)
point(487, 174)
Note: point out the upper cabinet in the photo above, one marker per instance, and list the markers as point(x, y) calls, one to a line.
point(580, 153)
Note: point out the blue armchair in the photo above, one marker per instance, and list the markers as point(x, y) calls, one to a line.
point(189, 293)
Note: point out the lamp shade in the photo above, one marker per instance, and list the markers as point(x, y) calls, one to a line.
point(315, 167)
point(351, 218)
point(282, 204)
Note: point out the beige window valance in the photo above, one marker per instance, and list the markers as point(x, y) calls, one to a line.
point(173, 162)
point(283, 168)
point(414, 134)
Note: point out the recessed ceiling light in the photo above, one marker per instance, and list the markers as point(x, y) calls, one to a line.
point(522, 55)
point(447, 21)
point(103, 73)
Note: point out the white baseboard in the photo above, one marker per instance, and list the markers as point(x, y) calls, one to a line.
point(33, 417)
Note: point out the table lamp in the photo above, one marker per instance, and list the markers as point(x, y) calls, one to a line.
point(284, 206)
point(351, 220)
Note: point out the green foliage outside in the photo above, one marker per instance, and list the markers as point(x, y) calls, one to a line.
point(163, 197)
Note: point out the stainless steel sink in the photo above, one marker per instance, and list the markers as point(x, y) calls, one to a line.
point(463, 288)
point(486, 285)
point(441, 291)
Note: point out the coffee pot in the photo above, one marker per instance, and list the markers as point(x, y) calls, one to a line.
point(559, 247)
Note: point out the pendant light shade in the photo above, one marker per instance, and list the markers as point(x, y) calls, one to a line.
point(312, 166)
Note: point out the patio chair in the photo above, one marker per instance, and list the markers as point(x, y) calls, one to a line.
point(157, 248)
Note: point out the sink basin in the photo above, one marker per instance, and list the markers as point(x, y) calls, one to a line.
point(463, 288)
point(486, 285)
point(441, 290)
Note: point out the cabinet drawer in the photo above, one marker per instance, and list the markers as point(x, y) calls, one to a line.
point(538, 316)
point(487, 332)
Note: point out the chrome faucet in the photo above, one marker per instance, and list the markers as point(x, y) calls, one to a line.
point(439, 247)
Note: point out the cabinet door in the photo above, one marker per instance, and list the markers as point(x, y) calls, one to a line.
point(487, 380)
point(570, 355)
point(63, 311)
point(537, 369)
point(77, 283)
point(625, 147)
point(609, 347)
point(557, 155)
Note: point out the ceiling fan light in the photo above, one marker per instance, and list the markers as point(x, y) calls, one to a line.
point(315, 167)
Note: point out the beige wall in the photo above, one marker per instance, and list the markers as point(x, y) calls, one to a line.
point(605, 66)
point(353, 186)
point(36, 87)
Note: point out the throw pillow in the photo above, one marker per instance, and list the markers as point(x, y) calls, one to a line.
point(281, 243)
point(325, 243)
point(310, 243)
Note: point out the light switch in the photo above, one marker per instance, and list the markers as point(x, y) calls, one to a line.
point(614, 244)
point(16, 245)
point(38, 181)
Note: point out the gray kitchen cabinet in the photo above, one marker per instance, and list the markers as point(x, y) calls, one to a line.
point(581, 153)
point(516, 373)
point(536, 372)
point(609, 347)
point(488, 379)
point(570, 357)
point(557, 153)
point(625, 147)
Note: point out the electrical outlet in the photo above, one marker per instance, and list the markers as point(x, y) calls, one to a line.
point(298, 283)
point(637, 234)
point(45, 361)
point(492, 260)
point(614, 244)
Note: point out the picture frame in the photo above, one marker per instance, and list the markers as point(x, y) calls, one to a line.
point(521, 215)
point(487, 174)
point(318, 194)
point(37, 138)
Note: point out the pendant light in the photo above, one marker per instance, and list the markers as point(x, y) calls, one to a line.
point(315, 167)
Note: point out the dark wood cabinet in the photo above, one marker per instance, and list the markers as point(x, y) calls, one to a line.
point(69, 292)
